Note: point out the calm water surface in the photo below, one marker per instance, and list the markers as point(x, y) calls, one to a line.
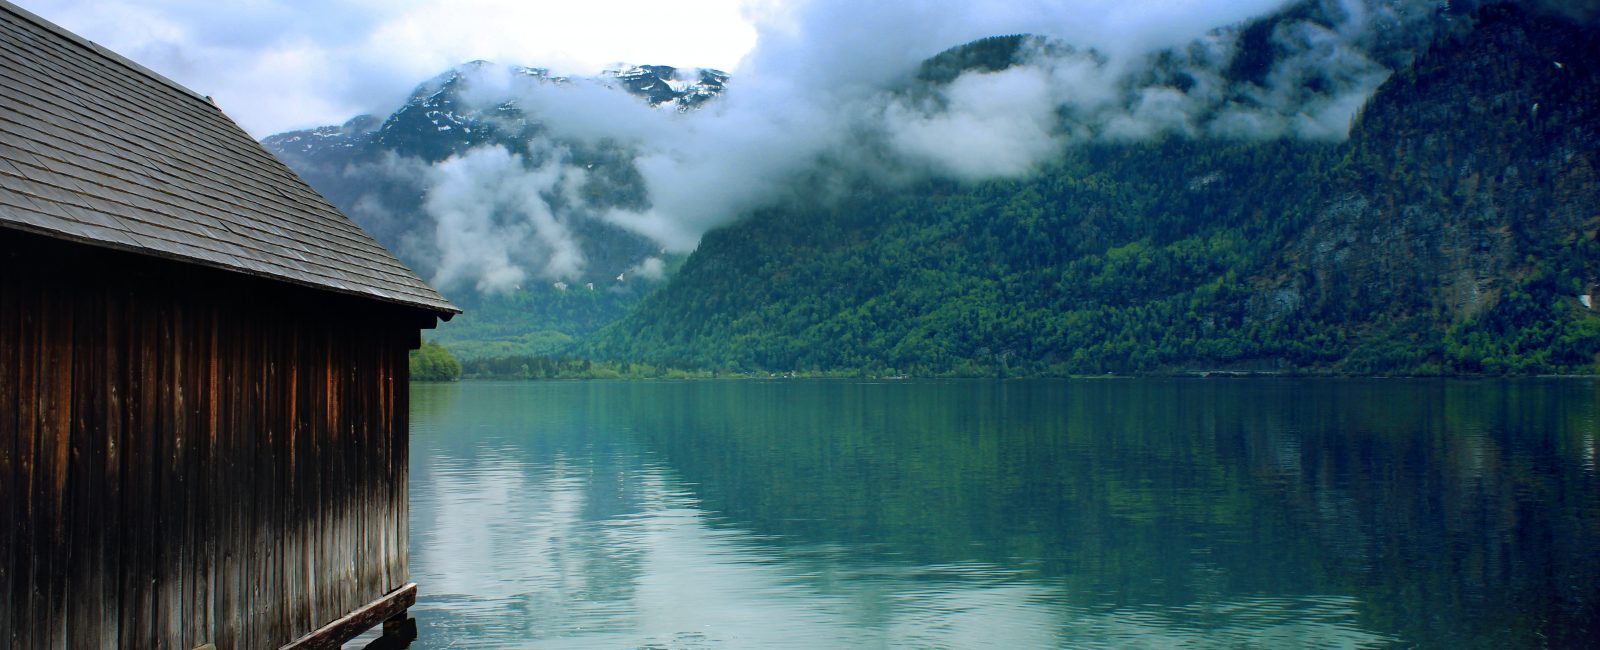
point(1006, 514)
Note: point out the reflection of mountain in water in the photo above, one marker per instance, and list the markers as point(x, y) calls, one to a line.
point(953, 514)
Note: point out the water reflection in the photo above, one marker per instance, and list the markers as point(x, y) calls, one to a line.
point(1004, 514)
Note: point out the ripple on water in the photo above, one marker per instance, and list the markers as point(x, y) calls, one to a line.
point(1002, 515)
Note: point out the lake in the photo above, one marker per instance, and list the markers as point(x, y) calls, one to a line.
point(1006, 514)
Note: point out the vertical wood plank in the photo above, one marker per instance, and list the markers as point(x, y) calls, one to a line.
point(395, 390)
point(249, 436)
point(275, 478)
point(133, 399)
point(188, 396)
point(161, 439)
point(266, 431)
point(84, 606)
point(387, 431)
point(338, 475)
point(398, 392)
point(171, 540)
point(132, 631)
point(298, 616)
point(28, 594)
point(231, 515)
point(113, 373)
point(141, 473)
point(47, 492)
point(191, 567)
point(11, 284)
point(207, 483)
point(56, 450)
point(320, 598)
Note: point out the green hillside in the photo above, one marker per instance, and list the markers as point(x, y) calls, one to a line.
point(1453, 232)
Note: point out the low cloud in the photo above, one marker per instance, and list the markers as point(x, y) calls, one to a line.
point(988, 124)
point(832, 80)
point(651, 268)
point(494, 224)
point(1318, 65)
point(835, 82)
point(822, 84)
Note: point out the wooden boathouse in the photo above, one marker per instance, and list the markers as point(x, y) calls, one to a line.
point(203, 373)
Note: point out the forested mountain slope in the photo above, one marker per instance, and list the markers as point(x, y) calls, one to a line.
point(1453, 231)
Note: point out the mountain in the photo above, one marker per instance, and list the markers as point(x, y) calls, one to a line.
point(1453, 231)
point(1466, 204)
point(395, 176)
point(662, 86)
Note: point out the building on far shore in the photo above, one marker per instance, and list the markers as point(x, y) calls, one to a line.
point(203, 373)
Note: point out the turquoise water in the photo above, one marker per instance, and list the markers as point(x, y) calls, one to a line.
point(1006, 514)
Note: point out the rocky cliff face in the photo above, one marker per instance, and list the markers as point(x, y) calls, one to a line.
point(1466, 171)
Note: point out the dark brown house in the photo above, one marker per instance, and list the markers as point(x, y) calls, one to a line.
point(203, 373)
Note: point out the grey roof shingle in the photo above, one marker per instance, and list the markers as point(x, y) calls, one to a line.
point(97, 149)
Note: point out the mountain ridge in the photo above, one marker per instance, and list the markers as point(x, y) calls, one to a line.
point(1358, 257)
point(388, 173)
point(1404, 245)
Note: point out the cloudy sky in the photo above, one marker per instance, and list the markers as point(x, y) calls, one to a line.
point(275, 65)
point(814, 80)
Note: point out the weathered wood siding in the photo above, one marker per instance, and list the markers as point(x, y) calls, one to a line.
point(191, 456)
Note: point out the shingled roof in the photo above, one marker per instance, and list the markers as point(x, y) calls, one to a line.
point(99, 150)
